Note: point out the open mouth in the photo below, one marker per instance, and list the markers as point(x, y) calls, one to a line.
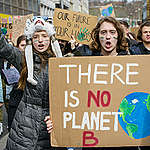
point(108, 44)
point(41, 46)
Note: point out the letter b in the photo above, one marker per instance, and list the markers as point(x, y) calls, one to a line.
point(89, 135)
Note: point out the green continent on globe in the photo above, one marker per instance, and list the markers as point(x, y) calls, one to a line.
point(148, 102)
point(131, 128)
point(126, 109)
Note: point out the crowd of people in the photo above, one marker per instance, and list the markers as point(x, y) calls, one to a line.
point(29, 121)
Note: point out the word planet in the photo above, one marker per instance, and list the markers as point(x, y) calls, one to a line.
point(135, 118)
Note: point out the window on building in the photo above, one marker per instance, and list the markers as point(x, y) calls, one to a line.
point(65, 7)
point(7, 9)
point(30, 4)
point(30, 12)
point(7, 1)
point(26, 12)
point(35, 5)
point(14, 2)
point(14, 11)
point(20, 3)
point(38, 12)
point(20, 12)
point(25, 4)
point(58, 5)
point(1, 7)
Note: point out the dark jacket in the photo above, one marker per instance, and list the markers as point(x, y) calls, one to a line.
point(98, 53)
point(13, 102)
point(139, 49)
point(28, 130)
point(84, 50)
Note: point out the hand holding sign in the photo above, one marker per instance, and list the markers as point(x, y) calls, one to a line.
point(49, 124)
point(73, 42)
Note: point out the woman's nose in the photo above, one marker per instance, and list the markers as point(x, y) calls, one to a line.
point(108, 36)
point(40, 39)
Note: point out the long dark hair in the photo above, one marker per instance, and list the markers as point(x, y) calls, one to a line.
point(95, 44)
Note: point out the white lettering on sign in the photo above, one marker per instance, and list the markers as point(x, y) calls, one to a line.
point(111, 72)
point(100, 118)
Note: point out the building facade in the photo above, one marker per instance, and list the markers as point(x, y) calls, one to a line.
point(47, 6)
point(130, 11)
point(74, 5)
point(41, 7)
point(20, 7)
point(146, 10)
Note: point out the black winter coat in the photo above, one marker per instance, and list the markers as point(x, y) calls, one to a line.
point(139, 49)
point(28, 130)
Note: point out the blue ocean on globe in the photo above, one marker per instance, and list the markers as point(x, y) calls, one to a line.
point(135, 118)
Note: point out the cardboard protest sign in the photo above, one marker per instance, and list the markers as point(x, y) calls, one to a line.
point(18, 26)
point(107, 10)
point(68, 23)
point(94, 99)
point(6, 22)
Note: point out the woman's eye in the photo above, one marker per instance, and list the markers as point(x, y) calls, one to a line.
point(113, 32)
point(35, 37)
point(103, 32)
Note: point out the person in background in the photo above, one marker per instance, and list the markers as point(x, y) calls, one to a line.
point(6, 89)
point(65, 46)
point(143, 46)
point(21, 42)
point(28, 129)
point(82, 49)
point(130, 37)
point(73, 48)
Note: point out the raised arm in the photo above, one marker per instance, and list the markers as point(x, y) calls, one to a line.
point(11, 54)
